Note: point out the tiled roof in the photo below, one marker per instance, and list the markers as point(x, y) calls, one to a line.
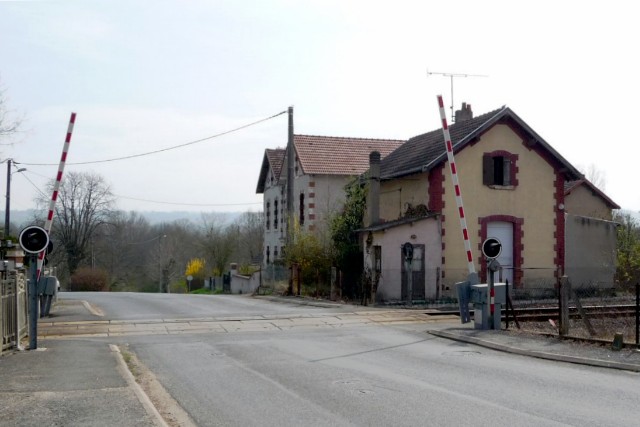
point(273, 158)
point(328, 155)
point(569, 186)
point(419, 152)
point(276, 158)
point(397, 222)
point(423, 152)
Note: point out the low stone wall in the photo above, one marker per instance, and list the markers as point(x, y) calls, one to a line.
point(244, 284)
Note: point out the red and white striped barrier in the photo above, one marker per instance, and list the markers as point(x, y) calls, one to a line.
point(456, 186)
point(56, 188)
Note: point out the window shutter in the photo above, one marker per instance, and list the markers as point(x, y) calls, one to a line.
point(487, 170)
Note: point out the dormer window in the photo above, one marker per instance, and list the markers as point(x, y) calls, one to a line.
point(499, 169)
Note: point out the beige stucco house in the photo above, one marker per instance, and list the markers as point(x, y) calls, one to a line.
point(323, 165)
point(515, 186)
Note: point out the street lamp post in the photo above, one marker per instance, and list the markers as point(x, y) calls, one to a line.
point(8, 196)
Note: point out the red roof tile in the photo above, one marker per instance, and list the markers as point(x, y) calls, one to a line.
point(328, 155)
point(276, 157)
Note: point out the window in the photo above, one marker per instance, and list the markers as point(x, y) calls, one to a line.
point(499, 169)
point(275, 214)
point(275, 252)
point(268, 224)
point(302, 209)
point(268, 255)
point(377, 259)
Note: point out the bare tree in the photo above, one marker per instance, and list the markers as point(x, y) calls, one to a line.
point(596, 176)
point(84, 204)
point(120, 246)
point(9, 122)
point(250, 237)
point(218, 241)
point(169, 254)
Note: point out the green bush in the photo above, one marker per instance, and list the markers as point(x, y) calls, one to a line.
point(178, 287)
point(86, 279)
point(248, 270)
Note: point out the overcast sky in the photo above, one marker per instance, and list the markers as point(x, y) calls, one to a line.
point(147, 75)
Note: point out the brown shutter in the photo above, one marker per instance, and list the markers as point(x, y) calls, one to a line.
point(487, 170)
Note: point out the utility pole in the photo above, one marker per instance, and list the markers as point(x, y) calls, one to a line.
point(8, 201)
point(290, 177)
point(451, 77)
point(291, 153)
point(7, 209)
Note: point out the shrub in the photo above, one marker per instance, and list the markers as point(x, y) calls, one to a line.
point(178, 287)
point(86, 279)
point(248, 270)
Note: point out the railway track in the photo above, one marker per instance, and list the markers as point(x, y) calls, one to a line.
point(537, 314)
point(543, 314)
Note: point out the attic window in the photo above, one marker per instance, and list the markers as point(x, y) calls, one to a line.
point(499, 169)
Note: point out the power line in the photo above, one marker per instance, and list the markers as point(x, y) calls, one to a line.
point(163, 149)
point(150, 201)
point(34, 185)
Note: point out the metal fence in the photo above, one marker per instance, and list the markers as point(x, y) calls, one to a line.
point(13, 309)
point(274, 279)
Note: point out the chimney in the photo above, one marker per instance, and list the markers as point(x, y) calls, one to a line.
point(464, 113)
point(373, 204)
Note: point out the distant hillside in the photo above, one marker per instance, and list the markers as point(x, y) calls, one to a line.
point(22, 218)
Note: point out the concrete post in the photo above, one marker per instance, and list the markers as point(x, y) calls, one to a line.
point(565, 295)
point(33, 301)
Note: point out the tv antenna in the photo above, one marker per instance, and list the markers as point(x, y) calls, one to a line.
point(451, 77)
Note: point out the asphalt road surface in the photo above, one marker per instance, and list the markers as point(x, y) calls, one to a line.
point(354, 373)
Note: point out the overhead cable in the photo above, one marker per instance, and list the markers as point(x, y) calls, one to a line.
point(163, 149)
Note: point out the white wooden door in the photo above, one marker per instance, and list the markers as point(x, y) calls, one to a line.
point(503, 231)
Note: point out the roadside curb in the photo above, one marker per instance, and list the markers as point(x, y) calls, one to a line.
point(536, 354)
point(139, 392)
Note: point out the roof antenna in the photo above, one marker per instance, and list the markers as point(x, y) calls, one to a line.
point(451, 76)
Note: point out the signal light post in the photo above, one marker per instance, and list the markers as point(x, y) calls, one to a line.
point(33, 240)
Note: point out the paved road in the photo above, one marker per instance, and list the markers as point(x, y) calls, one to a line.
point(319, 366)
point(142, 306)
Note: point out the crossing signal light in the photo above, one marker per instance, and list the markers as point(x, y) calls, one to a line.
point(33, 239)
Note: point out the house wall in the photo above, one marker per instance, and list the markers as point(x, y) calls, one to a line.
point(324, 196)
point(582, 201)
point(273, 237)
point(591, 248)
point(532, 201)
point(391, 240)
point(396, 195)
